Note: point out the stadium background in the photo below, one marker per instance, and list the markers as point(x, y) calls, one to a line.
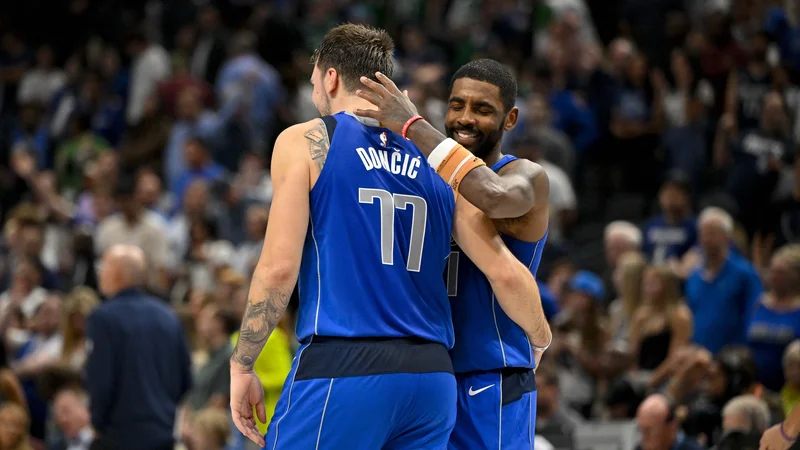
point(168, 109)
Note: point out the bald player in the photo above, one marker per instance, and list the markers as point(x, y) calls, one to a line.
point(138, 367)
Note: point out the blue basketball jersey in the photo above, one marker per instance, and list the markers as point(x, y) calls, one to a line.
point(377, 242)
point(486, 339)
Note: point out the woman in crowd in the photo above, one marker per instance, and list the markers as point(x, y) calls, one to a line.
point(775, 321)
point(579, 340)
point(77, 307)
point(661, 326)
point(628, 283)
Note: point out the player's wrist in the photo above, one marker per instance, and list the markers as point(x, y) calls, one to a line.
point(410, 122)
point(238, 368)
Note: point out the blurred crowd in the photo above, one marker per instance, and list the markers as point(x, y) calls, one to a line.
point(668, 130)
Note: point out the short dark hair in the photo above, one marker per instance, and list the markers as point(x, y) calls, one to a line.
point(492, 72)
point(356, 51)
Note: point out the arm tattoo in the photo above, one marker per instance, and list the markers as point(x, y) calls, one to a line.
point(318, 143)
point(260, 318)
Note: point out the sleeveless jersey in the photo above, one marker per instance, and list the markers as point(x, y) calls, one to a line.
point(486, 339)
point(751, 95)
point(377, 242)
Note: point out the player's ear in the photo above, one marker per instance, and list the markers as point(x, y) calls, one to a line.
point(331, 81)
point(511, 119)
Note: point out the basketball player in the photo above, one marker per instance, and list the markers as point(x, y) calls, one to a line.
point(366, 223)
point(493, 357)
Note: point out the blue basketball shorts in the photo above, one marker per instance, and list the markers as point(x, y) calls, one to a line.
point(496, 410)
point(346, 394)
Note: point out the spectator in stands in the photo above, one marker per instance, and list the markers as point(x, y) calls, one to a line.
point(537, 123)
point(775, 320)
point(194, 205)
point(71, 413)
point(30, 135)
point(659, 427)
point(685, 102)
point(143, 145)
point(133, 404)
point(563, 204)
point(248, 251)
point(31, 235)
point(790, 394)
point(747, 414)
point(554, 421)
point(209, 50)
point(150, 66)
point(78, 305)
point(78, 150)
point(11, 389)
point(781, 225)
point(747, 87)
point(192, 121)
point(724, 282)
point(211, 388)
point(619, 237)
point(41, 82)
point(661, 326)
point(40, 352)
point(756, 159)
point(671, 234)
point(580, 337)
point(628, 277)
point(130, 226)
point(14, 423)
point(199, 166)
point(637, 120)
point(25, 293)
point(245, 73)
point(210, 430)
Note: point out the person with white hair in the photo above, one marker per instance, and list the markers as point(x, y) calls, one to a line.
point(745, 413)
point(620, 237)
point(723, 289)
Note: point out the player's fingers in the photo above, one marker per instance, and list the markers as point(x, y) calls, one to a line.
point(405, 92)
point(369, 96)
point(371, 113)
point(375, 87)
point(386, 81)
point(255, 436)
point(261, 412)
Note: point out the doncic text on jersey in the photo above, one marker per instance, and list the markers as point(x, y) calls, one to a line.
point(398, 163)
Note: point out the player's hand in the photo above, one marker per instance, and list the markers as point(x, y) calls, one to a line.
point(246, 393)
point(394, 107)
point(773, 440)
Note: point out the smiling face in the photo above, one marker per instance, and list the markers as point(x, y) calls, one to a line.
point(476, 117)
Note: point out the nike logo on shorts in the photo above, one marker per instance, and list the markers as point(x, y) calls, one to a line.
point(474, 393)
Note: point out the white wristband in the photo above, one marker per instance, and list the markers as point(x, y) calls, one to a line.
point(542, 349)
point(440, 152)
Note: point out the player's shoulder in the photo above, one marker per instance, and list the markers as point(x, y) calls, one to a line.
point(526, 167)
point(303, 129)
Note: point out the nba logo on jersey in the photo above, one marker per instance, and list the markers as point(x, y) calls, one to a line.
point(383, 139)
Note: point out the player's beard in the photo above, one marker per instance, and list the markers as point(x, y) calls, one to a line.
point(484, 144)
point(325, 108)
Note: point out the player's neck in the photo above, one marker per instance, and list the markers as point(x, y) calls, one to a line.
point(493, 157)
point(350, 103)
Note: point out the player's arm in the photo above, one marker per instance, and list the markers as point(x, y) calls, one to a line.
point(498, 197)
point(511, 281)
point(279, 264)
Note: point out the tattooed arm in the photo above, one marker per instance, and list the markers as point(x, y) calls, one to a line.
point(278, 266)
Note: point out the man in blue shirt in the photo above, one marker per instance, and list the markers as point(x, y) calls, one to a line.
point(199, 166)
point(674, 231)
point(722, 291)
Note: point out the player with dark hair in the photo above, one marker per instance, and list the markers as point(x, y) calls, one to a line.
point(494, 356)
point(365, 224)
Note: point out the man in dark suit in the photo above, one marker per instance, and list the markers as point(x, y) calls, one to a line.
point(139, 365)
